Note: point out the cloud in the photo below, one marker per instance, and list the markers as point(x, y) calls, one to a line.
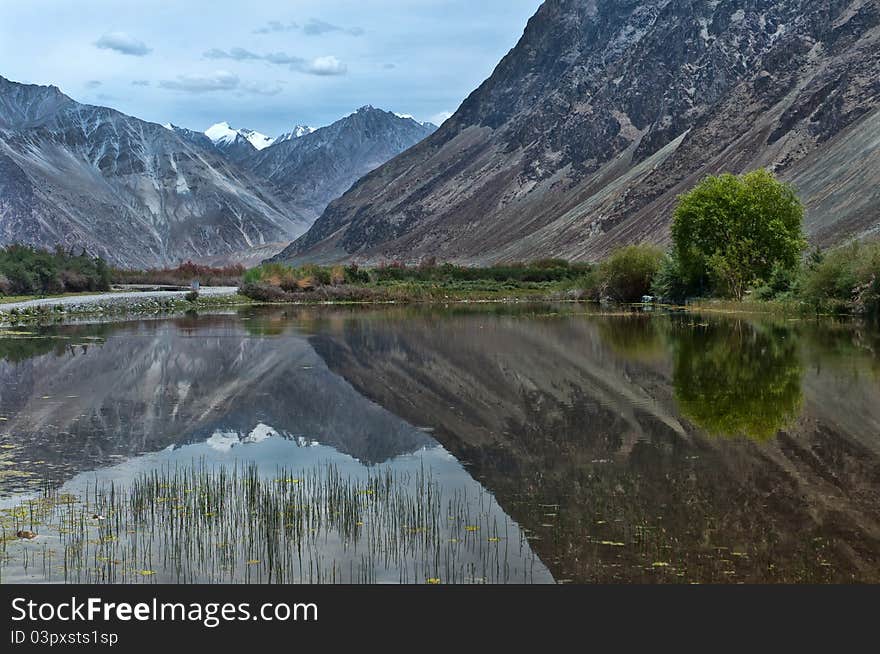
point(220, 80)
point(389, 66)
point(259, 88)
point(276, 26)
point(442, 117)
point(317, 27)
point(93, 84)
point(283, 59)
point(140, 82)
point(321, 66)
point(325, 66)
point(123, 44)
point(313, 27)
point(236, 54)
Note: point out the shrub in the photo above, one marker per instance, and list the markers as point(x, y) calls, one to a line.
point(182, 275)
point(354, 275)
point(31, 271)
point(844, 280)
point(192, 296)
point(670, 283)
point(627, 275)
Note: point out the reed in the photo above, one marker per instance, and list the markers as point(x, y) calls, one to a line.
point(196, 524)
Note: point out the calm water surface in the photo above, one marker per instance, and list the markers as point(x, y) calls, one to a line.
point(564, 444)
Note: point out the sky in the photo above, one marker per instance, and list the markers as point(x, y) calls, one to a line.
point(261, 64)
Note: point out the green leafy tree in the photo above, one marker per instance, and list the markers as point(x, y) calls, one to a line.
point(735, 230)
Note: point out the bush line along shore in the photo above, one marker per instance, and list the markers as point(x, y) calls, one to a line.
point(737, 243)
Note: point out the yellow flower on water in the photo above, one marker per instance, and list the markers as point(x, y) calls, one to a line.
point(433, 581)
point(660, 564)
point(472, 528)
point(494, 540)
point(146, 573)
point(254, 562)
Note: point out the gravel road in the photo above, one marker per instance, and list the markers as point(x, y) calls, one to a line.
point(113, 298)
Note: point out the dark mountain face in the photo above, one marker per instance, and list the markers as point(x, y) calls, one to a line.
point(131, 191)
point(606, 110)
point(315, 168)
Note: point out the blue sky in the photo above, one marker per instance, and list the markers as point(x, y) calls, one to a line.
point(262, 64)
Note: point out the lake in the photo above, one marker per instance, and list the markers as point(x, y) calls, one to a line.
point(460, 444)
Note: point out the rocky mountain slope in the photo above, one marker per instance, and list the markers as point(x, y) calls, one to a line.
point(606, 110)
point(131, 191)
point(316, 167)
point(144, 195)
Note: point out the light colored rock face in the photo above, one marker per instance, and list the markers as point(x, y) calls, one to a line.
point(606, 110)
point(133, 192)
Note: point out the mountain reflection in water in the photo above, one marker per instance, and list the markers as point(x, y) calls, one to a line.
point(648, 448)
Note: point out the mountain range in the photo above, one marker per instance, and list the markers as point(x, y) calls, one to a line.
point(607, 110)
point(144, 195)
point(578, 143)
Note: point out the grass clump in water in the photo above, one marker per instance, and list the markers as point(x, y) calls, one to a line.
point(196, 524)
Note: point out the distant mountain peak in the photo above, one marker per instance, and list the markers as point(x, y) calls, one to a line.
point(297, 132)
point(224, 135)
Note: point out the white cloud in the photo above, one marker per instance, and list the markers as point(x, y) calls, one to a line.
point(321, 66)
point(123, 44)
point(220, 80)
point(442, 117)
point(326, 66)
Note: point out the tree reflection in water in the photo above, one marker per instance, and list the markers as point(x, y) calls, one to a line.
point(738, 379)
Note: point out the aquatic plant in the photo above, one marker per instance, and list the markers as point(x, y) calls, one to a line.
point(195, 524)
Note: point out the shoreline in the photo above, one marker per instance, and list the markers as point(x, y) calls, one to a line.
point(127, 305)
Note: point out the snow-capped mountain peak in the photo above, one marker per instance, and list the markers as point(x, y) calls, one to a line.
point(297, 132)
point(223, 134)
point(258, 140)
